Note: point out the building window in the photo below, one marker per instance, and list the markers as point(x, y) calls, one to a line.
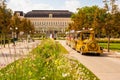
point(50, 15)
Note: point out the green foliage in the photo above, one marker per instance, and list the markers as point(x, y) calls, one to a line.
point(88, 17)
point(46, 62)
point(5, 18)
point(26, 26)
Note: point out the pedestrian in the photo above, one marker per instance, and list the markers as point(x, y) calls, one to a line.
point(13, 40)
point(51, 36)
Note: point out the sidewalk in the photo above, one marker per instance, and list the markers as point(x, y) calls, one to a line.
point(114, 54)
point(11, 53)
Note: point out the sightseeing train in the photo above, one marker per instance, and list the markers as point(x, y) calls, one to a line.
point(83, 41)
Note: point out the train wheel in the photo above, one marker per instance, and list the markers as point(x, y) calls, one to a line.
point(98, 54)
point(81, 53)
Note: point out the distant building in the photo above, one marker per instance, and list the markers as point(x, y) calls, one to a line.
point(48, 21)
point(20, 14)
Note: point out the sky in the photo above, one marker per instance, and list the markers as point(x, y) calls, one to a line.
point(71, 5)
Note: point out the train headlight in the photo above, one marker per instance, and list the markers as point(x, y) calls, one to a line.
point(83, 47)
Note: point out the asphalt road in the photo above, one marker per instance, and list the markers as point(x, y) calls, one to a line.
point(104, 67)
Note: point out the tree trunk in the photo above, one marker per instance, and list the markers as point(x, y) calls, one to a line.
point(1, 40)
point(4, 40)
point(108, 45)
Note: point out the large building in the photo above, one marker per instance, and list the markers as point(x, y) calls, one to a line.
point(49, 21)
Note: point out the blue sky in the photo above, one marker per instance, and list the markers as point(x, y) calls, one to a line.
point(72, 5)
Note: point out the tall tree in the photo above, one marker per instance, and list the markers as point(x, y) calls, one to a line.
point(117, 20)
point(110, 23)
point(88, 17)
point(98, 21)
point(15, 25)
point(27, 26)
point(5, 20)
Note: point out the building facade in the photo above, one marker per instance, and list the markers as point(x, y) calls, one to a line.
point(49, 21)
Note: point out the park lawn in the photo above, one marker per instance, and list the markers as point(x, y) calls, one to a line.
point(113, 46)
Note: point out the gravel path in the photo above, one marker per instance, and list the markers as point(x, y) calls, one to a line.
point(11, 53)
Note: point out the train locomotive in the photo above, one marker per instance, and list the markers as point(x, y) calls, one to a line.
point(83, 41)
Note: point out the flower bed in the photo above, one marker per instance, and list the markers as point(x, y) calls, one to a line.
point(46, 62)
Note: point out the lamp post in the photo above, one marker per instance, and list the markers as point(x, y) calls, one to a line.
point(14, 35)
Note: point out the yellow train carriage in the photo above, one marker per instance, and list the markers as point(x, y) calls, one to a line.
point(70, 39)
point(86, 42)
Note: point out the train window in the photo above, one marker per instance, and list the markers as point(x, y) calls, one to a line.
point(85, 36)
point(78, 36)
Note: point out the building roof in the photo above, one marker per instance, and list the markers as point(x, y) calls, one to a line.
point(20, 12)
point(47, 13)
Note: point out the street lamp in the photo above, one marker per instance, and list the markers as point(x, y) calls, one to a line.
point(11, 32)
point(14, 34)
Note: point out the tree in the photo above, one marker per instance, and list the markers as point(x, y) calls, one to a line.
point(98, 21)
point(22, 25)
point(5, 18)
point(9, 21)
point(15, 25)
point(110, 20)
point(27, 26)
point(88, 17)
point(117, 20)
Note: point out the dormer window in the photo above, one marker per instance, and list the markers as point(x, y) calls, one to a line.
point(18, 14)
point(50, 15)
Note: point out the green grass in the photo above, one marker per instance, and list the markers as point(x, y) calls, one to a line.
point(46, 62)
point(113, 46)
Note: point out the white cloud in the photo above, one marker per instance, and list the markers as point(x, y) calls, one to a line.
point(18, 5)
point(26, 5)
point(118, 3)
point(72, 5)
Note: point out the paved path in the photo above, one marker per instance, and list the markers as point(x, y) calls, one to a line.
point(105, 67)
point(11, 53)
